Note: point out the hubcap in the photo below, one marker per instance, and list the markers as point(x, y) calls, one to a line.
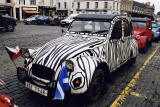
point(10, 27)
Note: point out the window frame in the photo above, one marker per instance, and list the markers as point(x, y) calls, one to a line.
point(96, 5)
point(105, 5)
point(130, 28)
point(115, 37)
point(87, 5)
point(65, 5)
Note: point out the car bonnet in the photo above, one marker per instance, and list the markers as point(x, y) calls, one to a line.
point(55, 52)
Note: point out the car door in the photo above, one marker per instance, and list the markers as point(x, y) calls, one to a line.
point(127, 36)
point(114, 48)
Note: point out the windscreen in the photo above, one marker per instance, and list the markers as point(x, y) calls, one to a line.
point(93, 27)
point(139, 24)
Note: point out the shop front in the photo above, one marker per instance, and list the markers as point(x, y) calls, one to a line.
point(47, 10)
point(6, 10)
point(29, 11)
point(62, 13)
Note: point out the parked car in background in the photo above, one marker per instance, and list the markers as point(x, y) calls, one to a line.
point(54, 20)
point(158, 23)
point(94, 46)
point(143, 33)
point(7, 23)
point(68, 20)
point(156, 31)
point(31, 19)
point(43, 20)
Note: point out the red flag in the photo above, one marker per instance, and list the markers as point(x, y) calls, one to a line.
point(13, 52)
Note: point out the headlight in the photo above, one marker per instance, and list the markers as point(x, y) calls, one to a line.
point(25, 53)
point(69, 64)
point(138, 37)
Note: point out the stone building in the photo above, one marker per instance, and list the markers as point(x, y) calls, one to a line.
point(126, 7)
point(21, 9)
point(142, 10)
point(96, 6)
point(64, 7)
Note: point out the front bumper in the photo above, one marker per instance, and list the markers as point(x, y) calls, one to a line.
point(50, 87)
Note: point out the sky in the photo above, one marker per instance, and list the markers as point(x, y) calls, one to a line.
point(155, 2)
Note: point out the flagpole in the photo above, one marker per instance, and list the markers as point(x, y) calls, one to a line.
point(14, 64)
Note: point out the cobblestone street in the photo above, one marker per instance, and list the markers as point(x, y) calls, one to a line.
point(144, 93)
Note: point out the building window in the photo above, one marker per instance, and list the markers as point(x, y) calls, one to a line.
point(87, 4)
point(42, 2)
point(105, 4)
point(65, 5)
point(59, 5)
point(32, 2)
point(22, 2)
point(113, 5)
point(51, 2)
point(96, 5)
point(72, 5)
point(8, 1)
point(117, 6)
point(78, 5)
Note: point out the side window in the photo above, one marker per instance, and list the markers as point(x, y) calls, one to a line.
point(117, 30)
point(127, 29)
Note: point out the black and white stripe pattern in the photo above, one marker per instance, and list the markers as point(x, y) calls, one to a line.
point(86, 53)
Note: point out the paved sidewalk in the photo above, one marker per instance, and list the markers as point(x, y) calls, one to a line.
point(144, 89)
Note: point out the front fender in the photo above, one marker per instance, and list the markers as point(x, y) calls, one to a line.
point(84, 68)
point(142, 41)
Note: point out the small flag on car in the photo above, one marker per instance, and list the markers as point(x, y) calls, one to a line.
point(13, 52)
point(62, 84)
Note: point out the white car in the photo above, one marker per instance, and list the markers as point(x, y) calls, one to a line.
point(68, 20)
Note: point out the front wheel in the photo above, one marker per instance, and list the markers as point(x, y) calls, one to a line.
point(10, 28)
point(132, 61)
point(97, 86)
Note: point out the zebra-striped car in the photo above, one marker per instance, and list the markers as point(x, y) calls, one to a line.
point(93, 46)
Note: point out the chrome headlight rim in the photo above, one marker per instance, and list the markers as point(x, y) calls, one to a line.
point(69, 64)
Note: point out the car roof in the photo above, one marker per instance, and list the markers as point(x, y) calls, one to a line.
point(137, 19)
point(95, 17)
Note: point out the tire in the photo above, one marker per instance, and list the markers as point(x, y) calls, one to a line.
point(10, 28)
point(150, 42)
point(96, 87)
point(132, 61)
point(33, 23)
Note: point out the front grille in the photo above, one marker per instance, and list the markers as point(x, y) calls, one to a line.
point(42, 72)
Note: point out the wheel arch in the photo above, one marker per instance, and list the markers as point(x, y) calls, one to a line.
point(105, 68)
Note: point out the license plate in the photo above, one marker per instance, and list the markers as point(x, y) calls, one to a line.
point(36, 89)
